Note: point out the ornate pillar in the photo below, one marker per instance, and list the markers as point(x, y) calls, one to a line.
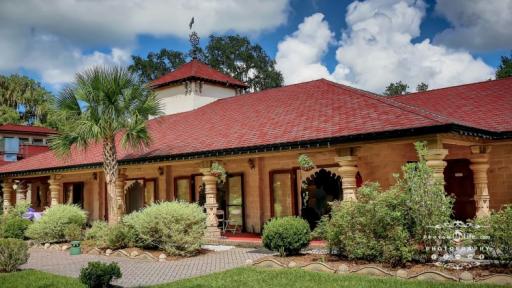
point(348, 171)
point(210, 182)
point(435, 160)
point(54, 189)
point(7, 189)
point(21, 191)
point(479, 166)
point(120, 183)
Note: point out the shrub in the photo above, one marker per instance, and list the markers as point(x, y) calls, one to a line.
point(98, 274)
point(286, 235)
point(73, 232)
point(53, 224)
point(13, 253)
point(498, 228)
point(13, 225)
point(120, 236)
point(175, 227)
point(98, 233)
point(389, 226)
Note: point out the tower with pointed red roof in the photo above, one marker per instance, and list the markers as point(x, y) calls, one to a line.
point(193, 85)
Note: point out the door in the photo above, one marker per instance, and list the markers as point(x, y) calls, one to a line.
point(235, 200)
point(134, 197)
point(74, 194)
point(459, 184)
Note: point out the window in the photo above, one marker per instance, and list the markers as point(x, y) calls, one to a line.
point(182, 189)
point(235, 200)
point(282, 198)
point(11, 148)
point(37, 141)
point(24, 141)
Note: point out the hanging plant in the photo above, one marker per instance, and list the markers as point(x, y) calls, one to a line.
point(218, 171)
point(305, 163)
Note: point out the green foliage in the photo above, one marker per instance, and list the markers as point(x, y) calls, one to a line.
point(305, 163)
point(505, 68)
point(98, 234)
point(20, 91)
point(13, 253)
point(234, 55)
point(389, 226)
point(73, 232)
point(498, 227)
point(175, 227)
point(286, 235)
point(120, 236)
point(397, 88)
point(218, 171)
point(422, 87)
point(13, 225)
point(52, 225)
point(98, 274)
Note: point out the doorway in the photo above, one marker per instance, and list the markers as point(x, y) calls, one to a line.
point(74, 194)
point(459, 184)
point(318, 190)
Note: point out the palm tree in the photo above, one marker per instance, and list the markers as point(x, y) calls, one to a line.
point(101, 103)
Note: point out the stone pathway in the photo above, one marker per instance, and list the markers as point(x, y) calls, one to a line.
point(141, 272)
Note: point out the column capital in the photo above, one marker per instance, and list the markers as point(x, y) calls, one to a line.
point(205, 171)
point(435, 161)
point(436, 154)
point(346, 160)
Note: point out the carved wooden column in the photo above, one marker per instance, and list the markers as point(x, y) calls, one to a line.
point(120, 183)
point(348, 171)
point(54, 189)
point(435, 160)
point(210, 182)
point(479, 166)
point(7, 189)
point(21, 191)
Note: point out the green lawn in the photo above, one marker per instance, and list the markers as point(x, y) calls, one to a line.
point(36, 279)
point(241, 277)
point(254, 277)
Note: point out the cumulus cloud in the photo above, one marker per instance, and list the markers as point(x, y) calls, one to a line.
point(376, 49)
point(55, 38)
point(298, 56)
point(478, 25)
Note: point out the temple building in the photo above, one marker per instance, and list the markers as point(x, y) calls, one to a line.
point(352, 136)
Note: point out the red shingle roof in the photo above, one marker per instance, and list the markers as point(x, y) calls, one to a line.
point(302, 112)
point(486, 105)
point(24, 129)
point(196, 69)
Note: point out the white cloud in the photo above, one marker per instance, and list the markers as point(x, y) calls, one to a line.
point(478, 25)
point(55, 38)
point(376, 49)
point(298, 56)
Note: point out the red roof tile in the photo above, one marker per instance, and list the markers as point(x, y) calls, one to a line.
point(24, 129)
point(307, 111)
point(196, 69)
point(486, 105)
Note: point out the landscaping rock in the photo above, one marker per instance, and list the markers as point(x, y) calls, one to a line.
point(466, 276)
point(162, 257)
point(249, 262)
point(402, 274)
point(343, 269)
point(31, 243)
point(292, 264)
point(108, 252)
point(134, 254)
point(318, 267)
point(47, 245)
point(65, 247)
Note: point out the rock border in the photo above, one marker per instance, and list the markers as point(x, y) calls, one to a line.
point(372, 270)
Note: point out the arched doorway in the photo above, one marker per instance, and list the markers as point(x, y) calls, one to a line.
point(317, 190)
point(134, 197)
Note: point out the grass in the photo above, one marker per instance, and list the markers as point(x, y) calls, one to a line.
point(242, 277)
point(36, 279)
point(254, 277)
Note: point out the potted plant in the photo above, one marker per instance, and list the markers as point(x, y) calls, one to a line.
point(305, 163)
point(218, 171)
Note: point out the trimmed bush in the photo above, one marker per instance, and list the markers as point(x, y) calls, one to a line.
point(286, 235)
point(73, 232)
point(120, 236)
point(98, 233)
point(12, 226)
point(98, 274)
point(13, 253)
point(52, 225)
point(498, 228)
point(175, 227)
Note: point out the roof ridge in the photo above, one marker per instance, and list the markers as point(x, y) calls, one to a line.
point(395, 104)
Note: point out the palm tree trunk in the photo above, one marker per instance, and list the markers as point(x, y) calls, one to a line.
point(111, 170)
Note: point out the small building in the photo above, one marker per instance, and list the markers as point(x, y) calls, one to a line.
point(18, 142)
point(352, 136)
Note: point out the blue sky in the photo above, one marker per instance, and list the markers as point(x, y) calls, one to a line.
point(360, 43)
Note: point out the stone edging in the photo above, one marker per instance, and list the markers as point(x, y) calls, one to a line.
point(371, 270)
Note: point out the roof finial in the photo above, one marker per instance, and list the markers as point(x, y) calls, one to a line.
point(194, 40)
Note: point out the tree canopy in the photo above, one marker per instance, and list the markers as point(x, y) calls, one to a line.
point(397, 88)
point(505, 68)
point(422, 87)
point(25, 101)
point(234, 55)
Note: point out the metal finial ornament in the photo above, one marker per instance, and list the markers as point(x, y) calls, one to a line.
point(194, 40)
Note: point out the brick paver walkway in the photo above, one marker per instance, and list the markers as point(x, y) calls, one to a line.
point(140, 272)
